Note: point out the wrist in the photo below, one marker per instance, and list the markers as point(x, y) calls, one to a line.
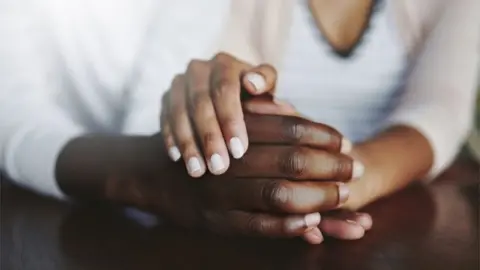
point(393, 159)
point(108, 169)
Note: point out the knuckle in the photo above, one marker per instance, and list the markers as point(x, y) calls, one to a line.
point(295, 128)
point(255, 225)
point(222, 57)
point(229, 122)
point(341, 167)
point(276, 194)
point(224, 87)
point(198, 99)
point(294, 162)
point(187, 146)
point(196, 65)
point(177, 79)
point(209, 138)
point(177, 111)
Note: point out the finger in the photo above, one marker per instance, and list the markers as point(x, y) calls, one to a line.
point(297, 163)
point(276, 195)
point(313, 236)
point(362, 219)
point(260, 79)
point(225, 92)
point(269, 106)
point(294, 130)
point(204, 117)
point(182, 130)
point(260, 224)
point(173, 151)
point(342, 229)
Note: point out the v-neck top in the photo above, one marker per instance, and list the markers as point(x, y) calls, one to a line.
point(354, 94)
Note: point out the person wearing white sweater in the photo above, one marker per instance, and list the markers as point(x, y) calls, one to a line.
point(81, 84)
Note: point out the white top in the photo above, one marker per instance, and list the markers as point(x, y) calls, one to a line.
point(86, 66)
point(355, 94)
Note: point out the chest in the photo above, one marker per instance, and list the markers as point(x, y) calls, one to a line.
point(342, 92)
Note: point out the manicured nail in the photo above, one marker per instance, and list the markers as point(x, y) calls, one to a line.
point(216, 163)
point(312, 220)
point(343, 193)
point(346, 146)
point(174, 153)
point(349, 221)
point(295, 224)
point(257, 80)
point(236, 147)
point(193, 165)
point(358, 169)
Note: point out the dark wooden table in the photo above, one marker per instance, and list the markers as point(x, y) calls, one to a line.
point(435, 227)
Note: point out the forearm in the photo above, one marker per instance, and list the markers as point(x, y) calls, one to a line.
point(393, 159)
point(109, 169)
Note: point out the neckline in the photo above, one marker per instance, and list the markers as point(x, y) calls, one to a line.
point(344, 54)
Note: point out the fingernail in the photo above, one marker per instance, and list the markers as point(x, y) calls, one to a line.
point(257, 80)
point(312, 220)
point(295, 224)
point(343, 193)
point(353, 222)
point(358, 169)
point(236, 147)
point(346, 146)
point(174, 153)
point(216, 163)
point(193, 165)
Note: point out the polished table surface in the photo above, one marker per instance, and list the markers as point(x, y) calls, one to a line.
point(434, 227)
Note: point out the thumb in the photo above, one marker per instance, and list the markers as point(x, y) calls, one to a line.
point(260, 79)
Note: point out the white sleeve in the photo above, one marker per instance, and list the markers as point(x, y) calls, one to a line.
point(181, 31)
point(33, 128)
point(157, 63)
point(440, 92)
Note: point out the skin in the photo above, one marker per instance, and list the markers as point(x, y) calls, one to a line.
point(259, 196)
point(341, 22)
point(392, 159)
point(205, 115)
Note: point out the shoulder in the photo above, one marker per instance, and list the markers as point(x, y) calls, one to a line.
point(417, 19)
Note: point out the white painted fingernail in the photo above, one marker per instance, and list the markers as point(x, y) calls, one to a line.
point(216, 163)
point(174, 153)
point(236, 147)
point(312, 220)
point(257, 80)
point(346, 146)
point(193, 165)
point(358, 169)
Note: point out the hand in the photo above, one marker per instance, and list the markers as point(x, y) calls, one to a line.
point(204, 104)
point(345, 225)
point(264, 193)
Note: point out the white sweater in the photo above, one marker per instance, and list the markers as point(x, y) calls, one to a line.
point(73, 67)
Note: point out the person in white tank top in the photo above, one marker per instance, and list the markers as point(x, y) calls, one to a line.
point(81, 84)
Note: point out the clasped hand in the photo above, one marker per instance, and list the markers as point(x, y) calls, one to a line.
point(293, 170)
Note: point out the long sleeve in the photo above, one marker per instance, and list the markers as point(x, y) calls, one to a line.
point(173, 40)
point(33, 128)
point(440, 91)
